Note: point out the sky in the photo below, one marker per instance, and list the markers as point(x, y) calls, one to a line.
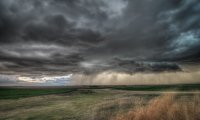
point(76, 42)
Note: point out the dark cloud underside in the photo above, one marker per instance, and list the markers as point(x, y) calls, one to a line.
point(70, 36)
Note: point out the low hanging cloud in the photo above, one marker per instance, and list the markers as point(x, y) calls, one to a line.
point(8, 80)
point(16, 80)
point(117, 78)
point(131, 66)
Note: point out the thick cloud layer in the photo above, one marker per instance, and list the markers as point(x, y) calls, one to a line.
point(87, 36)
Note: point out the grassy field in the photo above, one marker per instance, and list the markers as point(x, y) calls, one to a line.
point(21, 92)
point(78, 105)
point(91, 103)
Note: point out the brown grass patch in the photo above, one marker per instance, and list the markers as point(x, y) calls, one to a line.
point(108, 109)
point(167, 107)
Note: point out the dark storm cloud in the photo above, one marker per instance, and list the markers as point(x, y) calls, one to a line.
point(67, 36)
point(131, 66)
point(184, 26)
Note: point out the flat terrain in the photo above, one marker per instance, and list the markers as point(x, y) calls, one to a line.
point(21, 92)
point(76, 103)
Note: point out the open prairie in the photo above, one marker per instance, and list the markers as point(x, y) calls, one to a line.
point(99, 60)
point(100, 103)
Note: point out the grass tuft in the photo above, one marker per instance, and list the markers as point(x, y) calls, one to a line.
point(167, 107)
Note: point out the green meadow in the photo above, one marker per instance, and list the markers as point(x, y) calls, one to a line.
point(21, 92)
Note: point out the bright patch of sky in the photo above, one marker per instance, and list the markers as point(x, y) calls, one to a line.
point(185, 41)
point(47, 80)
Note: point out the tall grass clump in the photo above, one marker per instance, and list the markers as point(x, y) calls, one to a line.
point(167, 107)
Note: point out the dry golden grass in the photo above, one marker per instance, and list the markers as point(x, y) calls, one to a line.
point(108, 109)
point(167, 107)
